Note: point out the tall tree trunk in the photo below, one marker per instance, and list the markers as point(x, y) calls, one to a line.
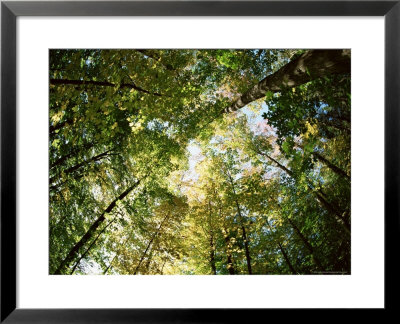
point(328, 163)
point(307, 244)
point(65, 157)
point(91, 245)
point(331, 166)
point(281, 166)
point(53, 128)
point(150, 243)
point(328, 206)
point(122, 244)
point(212, 256)
point(91, 231)
point(229, 258)
point(247, 252)
point(334, 124)
point(212, 245)
point(287, 258)
point(162, 268)
point(311, 65)
point(149, 259)
point(81, 164)
point(131, 85)
point(244, 236)
point(339, 217)
point(58, 185)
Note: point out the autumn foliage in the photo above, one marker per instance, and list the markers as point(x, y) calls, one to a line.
point(199, 162)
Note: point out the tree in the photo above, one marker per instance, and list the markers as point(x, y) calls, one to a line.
point(310, 65)
point(215, 162)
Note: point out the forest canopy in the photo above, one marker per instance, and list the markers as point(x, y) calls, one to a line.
point(208, 161)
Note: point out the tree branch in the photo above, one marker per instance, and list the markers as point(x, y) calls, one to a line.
point(309, 66)
point(102, 84)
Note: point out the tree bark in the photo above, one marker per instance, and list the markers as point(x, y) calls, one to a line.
point(122, 244)
point(308, 245)
point(79, 165)
point(53, 128)
point(309, 66)
point(331, 166)
point(150, 243)
point(58, 185)
point(336, 213)
point(283, 251)
point(212, 245)
point(65, 157)
point(287, 258)
point(281, 166)
point(212, 256)
point(230, 265)
point(102, 84)
point(333, 210)
point(162, 268)
point(91, 245)
point(244, 236)
point(90, 232)
point(149, 259)
point(328, 163)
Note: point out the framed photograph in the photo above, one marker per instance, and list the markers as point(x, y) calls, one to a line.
point(186, 161)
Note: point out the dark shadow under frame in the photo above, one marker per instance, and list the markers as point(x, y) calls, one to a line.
point(11, 10)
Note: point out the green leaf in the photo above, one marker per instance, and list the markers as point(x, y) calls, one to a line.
point(269, 95)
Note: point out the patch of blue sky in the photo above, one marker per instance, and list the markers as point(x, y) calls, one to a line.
point(322, 108)
point(90, 267)
point(194, 153)
point(195, 156)
point(151, 125)
point(159, 125)
point(254, 119)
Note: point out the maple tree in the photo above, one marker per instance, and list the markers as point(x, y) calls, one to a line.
point(199, 161)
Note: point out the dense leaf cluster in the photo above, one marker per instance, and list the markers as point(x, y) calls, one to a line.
point(149, 176)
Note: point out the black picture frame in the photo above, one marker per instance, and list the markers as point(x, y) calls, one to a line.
point(10, 10)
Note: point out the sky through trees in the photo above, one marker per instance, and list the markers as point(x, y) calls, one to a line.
point(208, 161)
